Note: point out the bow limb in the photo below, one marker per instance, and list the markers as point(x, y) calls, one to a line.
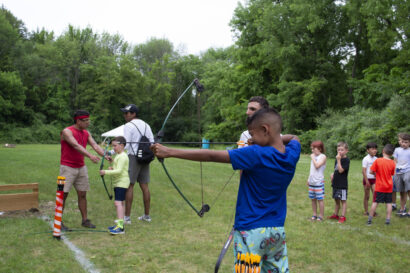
point(224, 249)
point(179, 191)
point(102, 176)
point(161, 131)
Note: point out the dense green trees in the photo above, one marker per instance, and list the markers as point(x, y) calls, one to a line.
point(336, 70)
point(292, 49)
point(316, 60)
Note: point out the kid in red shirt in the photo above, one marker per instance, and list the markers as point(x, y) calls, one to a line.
point(383, 168)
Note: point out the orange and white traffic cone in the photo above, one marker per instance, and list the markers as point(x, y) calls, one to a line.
point(58, 216)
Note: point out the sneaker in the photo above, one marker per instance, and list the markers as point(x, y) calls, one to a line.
point(115, 224)
point(65, 228)
point(400, 212)
point(145, 218)
point(127, 220)
point(369, 223)
point(403, 214)
point(87, 223)
point(117, 230)
point(394, 206)
point(387, 222)
point(334, 217)
point(342, 219)
point(112, 227)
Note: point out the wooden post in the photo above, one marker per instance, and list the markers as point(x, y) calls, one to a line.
point(19, 201)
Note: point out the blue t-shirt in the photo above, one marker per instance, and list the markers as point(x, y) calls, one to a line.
point(265, 178)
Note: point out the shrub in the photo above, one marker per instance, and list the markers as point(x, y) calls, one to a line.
point(357, 126)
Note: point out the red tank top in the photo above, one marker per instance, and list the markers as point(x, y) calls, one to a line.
point(70, 156)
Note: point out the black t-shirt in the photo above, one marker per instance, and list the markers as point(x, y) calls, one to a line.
point(340, 179)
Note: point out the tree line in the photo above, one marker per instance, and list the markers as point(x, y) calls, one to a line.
point(335, 70)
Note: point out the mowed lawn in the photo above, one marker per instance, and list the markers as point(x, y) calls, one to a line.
point(177, 240)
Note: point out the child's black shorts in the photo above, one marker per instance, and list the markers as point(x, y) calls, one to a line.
point(340, 194)
point(382, 197)
point(120, 193)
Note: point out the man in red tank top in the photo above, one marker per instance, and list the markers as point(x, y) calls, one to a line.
point(74, 141)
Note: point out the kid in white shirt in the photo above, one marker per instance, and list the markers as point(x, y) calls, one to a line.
point(316, 179)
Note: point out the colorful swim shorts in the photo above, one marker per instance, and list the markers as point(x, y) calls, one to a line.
point(269, 243)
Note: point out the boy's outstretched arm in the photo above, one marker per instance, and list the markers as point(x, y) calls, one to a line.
point(287, 138)
point(161, 151)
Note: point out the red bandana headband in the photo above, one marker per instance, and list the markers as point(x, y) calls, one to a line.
point(81, 117)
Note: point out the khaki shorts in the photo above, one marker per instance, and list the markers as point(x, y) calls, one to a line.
point(75, 176)
point(138, 172)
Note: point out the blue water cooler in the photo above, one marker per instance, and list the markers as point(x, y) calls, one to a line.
point(205, 143)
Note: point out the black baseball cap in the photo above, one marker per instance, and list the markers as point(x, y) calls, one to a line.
point(130, 108)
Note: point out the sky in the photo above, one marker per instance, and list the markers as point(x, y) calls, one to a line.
point(192, 26)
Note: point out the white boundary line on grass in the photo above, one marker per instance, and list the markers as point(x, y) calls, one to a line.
point(79, 255)
point(373, 232)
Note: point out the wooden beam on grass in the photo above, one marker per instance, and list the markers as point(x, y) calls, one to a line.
point(19, 201)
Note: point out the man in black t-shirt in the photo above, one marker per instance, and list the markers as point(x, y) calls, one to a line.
point(339, 181)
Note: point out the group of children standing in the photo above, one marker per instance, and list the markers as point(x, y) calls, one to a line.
point(378, 177)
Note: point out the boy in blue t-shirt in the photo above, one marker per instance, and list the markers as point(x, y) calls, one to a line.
point(268, 168)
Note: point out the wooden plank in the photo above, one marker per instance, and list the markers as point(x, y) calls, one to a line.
point(18, 201)
point(11, 187)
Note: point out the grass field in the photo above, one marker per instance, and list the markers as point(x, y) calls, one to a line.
point(177, 240)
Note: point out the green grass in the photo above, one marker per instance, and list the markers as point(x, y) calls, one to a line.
point(177, 240)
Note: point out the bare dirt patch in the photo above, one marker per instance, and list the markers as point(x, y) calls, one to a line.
point(44, 208)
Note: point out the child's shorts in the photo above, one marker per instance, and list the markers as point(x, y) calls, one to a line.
point(269, 243)
point(382, 197)
point(120, 193)
point(317, 192)
point(371, 181)
point(340, 194)
point(402, 182)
